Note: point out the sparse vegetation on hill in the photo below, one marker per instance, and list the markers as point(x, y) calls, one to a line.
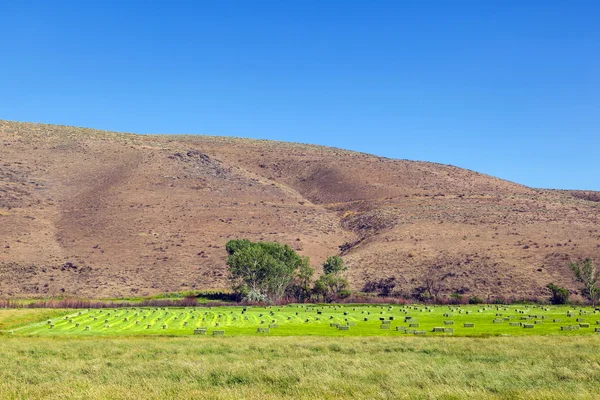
point(96, 214)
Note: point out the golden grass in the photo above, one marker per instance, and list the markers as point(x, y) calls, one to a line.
point(300, 368)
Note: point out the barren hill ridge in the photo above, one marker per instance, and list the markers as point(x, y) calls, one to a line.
point(95, 213)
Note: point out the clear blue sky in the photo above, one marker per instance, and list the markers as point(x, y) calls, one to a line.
point(509, 88)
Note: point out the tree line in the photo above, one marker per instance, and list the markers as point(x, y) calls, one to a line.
point(271, 272)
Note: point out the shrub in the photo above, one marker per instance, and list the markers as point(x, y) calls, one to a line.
point(589, 276)
point(559, 295)
point(475, 300)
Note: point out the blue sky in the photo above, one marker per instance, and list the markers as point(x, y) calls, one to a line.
point(508, 88)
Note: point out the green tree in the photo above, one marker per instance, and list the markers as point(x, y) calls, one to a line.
point(334, 265)
point(262, 270)
point(559, 295)
point(332, 285)
point(301, 288)
point(589, 276)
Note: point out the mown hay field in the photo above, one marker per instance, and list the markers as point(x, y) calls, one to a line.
point(319, 320)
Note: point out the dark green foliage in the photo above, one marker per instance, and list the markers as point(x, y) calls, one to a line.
point(334, 266)
point(589, 276)
point(475, 300)
point(262, 271)
point(332, 285)
point(300, 288)
point(559, 295)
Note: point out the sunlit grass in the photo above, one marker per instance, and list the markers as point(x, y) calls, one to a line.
point(14, 318)
point(322, 320)
point(538, 367)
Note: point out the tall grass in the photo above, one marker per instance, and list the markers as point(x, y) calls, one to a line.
point(300, 368)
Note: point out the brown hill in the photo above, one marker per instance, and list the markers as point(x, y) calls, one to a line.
point(94, 213)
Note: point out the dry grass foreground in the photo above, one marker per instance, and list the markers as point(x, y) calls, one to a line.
point(100, 214)
point(300, 368)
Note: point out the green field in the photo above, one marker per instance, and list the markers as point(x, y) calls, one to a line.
point(50, 354)
point(321, 320)
point(526, 367)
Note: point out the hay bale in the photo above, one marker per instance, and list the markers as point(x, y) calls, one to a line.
point(569, 328)
point(263, 330)
point(413, 325)
point(272, 326)
point(344, 328)
point(528, 326)
point(218, 333)
point(438, 329)
point(448, 322)
point(385, 326)
point(584, 325)
point(401, 328)
point(515, 324)
point(468, 325)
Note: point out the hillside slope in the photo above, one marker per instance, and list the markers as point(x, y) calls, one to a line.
point(95, 213)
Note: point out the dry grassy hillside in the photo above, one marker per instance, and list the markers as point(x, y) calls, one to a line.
point(94, 213)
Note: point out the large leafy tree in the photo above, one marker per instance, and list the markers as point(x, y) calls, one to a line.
point(262, 270)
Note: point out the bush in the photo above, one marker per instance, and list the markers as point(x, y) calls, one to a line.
point(475, 300)
point(456, 298)
point(559, 295)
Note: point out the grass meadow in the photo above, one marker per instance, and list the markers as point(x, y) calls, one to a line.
point(306, 360)
point(527, 367)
